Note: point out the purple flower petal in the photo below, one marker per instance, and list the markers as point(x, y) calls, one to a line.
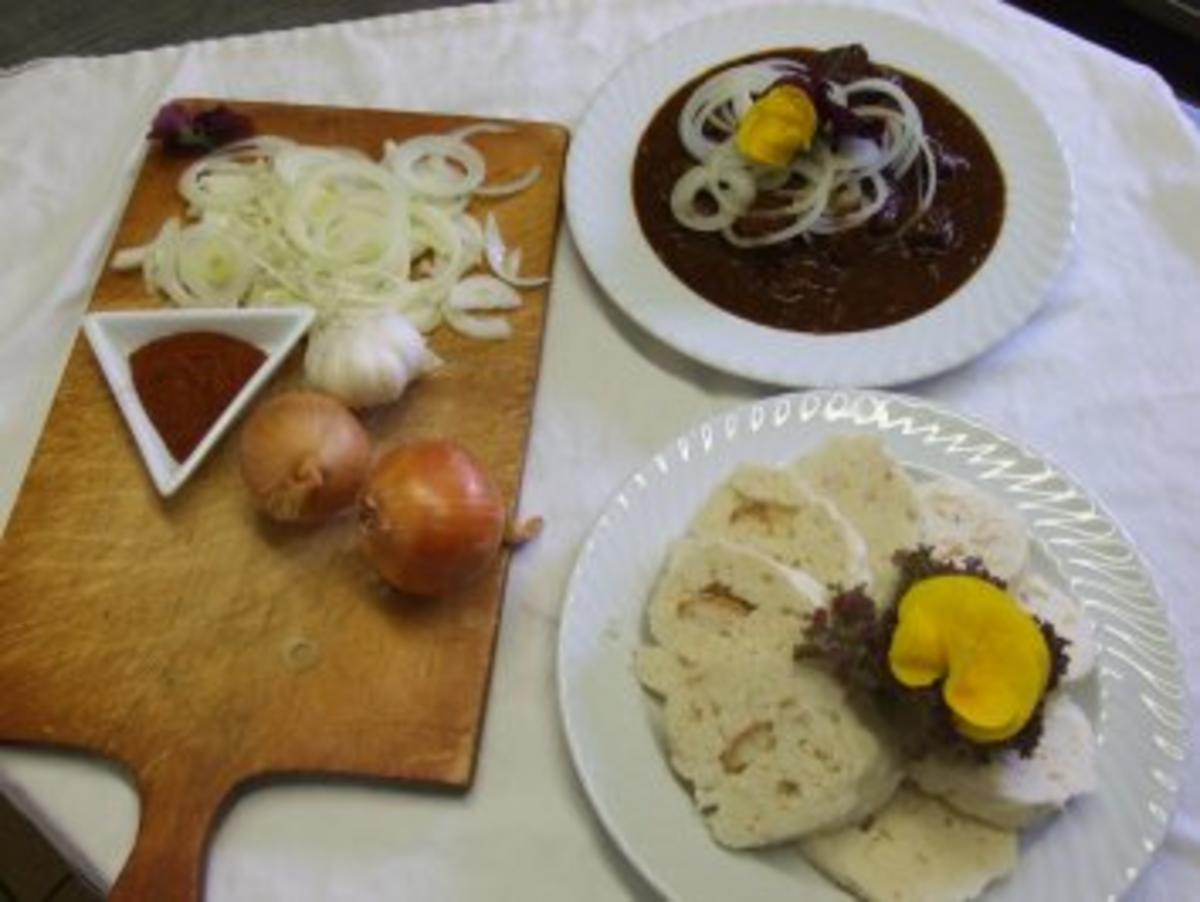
point(180, 131)
point(169, 121)
point(221, 125)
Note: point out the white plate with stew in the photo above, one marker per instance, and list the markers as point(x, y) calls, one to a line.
point(1012, 282)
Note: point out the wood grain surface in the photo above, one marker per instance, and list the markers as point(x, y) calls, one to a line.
point(204, 647)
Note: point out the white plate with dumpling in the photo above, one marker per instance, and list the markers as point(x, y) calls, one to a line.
point(1124, 686)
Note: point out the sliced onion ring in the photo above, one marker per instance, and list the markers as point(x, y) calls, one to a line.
point(513, 186)
point(483, 292)
point(488, 328)
point(502, 261)
point(410, 162)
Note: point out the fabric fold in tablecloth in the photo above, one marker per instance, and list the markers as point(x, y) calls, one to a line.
point(1103, 380)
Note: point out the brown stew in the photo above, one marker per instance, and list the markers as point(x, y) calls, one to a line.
point(864, 278)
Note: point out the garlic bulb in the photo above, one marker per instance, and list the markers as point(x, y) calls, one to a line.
point(367, 359)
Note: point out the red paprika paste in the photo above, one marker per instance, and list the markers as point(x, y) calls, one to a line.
point(185, 381)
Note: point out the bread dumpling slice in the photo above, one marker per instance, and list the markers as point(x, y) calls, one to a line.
point(1010, 791)
point(772, 751)
point(713, 593)
point(1064, 612)
point(660, 670)
point(871, 490)
point(960, 521)
point(714, 596)
point(914, 849)
point(768, 509)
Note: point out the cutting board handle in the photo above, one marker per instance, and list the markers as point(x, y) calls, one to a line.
point(169, 853)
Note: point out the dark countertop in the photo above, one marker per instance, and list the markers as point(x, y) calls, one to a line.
point(30, 29)
point(1158, 33)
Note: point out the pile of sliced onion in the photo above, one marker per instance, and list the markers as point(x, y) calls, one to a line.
point(273, 222)
point(824, 190)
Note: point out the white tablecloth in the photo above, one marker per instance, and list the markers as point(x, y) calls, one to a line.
point(1104, 380)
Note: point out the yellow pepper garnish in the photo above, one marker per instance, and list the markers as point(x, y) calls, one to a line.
point(990, 650)
point(777, 126)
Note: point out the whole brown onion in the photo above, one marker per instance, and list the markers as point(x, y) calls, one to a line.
point(431, 519)
point(304, 457)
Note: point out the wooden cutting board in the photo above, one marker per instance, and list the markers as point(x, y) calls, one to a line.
point(205, 648)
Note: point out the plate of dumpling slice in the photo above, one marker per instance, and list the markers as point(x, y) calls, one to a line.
point(1020, 728)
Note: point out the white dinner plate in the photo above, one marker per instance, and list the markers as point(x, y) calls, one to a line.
point(996, 300)
point(1091, 851)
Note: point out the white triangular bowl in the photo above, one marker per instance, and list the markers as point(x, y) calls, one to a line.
point(114, 336)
